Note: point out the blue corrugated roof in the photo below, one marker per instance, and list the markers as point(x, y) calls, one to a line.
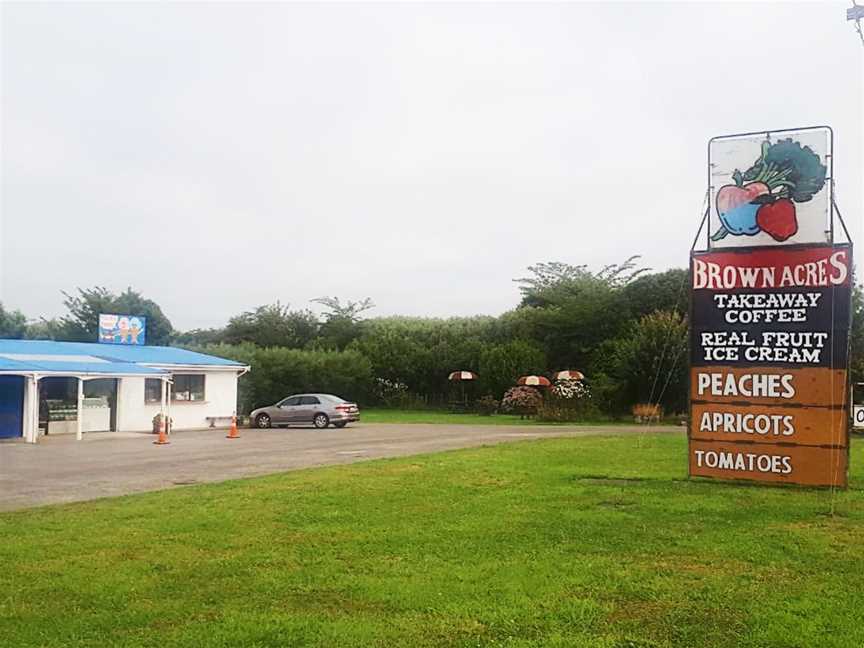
point(42, 365)
point(90, 357)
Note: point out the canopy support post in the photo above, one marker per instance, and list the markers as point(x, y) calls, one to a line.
point(31, 418)
point(79, 430)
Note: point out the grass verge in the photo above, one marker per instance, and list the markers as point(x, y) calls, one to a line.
point(451, 418)
point(598, 542)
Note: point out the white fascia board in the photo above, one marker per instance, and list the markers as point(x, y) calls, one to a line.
point(83, 374)
point(189, 367)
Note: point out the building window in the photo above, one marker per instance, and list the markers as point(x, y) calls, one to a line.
point(188, 387)
point(152, 390)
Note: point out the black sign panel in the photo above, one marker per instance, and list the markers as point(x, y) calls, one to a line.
point(793, 327)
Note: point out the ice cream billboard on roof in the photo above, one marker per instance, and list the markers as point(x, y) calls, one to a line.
point(770, 188)
point(122, 329)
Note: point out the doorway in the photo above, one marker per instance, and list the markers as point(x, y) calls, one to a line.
point(11, 406)
point(104, 389)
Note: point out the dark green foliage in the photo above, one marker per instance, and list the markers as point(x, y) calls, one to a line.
point(198, 337)
point(45, 329)
point(278, 372)
point(659, 291)
point(650, 362)
point(420, 353)
point(501, 365)
point(342, 322)
point(272, 325)
point(13, 324)
point(551, 280)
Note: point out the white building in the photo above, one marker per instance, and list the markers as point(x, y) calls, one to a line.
point(44, 385)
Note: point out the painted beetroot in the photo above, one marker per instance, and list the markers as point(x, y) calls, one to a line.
point(736, 209)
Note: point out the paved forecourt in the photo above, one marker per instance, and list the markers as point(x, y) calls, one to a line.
point(103, 465)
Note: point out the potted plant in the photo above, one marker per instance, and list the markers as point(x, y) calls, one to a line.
point(157, 421)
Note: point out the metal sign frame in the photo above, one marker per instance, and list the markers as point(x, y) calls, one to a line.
point(829, 178)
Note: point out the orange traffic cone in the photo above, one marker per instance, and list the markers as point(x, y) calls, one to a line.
point(232, 433)
point(163, 438)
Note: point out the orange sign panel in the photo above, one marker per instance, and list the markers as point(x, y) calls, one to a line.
point(768, 385)
point(791, 464)
point(809, 426)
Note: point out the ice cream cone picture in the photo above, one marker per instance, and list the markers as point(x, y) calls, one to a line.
point(123, 329)
point(134, 329)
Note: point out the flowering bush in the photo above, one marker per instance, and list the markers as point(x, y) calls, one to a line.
point(521, 400)
point(395, 394)
point(570, 389)
point(570, 400)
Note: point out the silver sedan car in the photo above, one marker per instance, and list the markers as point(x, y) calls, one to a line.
point(319, 410)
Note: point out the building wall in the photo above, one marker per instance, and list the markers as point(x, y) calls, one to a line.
point(220, 399)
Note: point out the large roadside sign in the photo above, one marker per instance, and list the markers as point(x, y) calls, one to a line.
point(770, 335)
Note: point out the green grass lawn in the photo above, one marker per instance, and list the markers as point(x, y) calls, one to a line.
point(594, 542)
point(441, 416)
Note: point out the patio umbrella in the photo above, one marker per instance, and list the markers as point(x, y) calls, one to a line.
point(462, 375)
point(570, 374)
point(534, 381)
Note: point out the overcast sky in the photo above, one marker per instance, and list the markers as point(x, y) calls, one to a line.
point(217, 157)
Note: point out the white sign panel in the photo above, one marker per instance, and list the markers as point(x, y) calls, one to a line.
point(858, 416)
point(770, 188)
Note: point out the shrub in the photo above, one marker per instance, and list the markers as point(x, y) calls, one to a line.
point(555, 412)
point(647, 412)
point(570, 390)
point(521, 400)
point(487, 405)
point(395, 395)
point(389, 393)
point(501, 365)
point(650, 362)
point(569, 400)
point(278, 372)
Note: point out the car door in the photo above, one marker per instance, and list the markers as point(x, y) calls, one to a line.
point(307, 408)
point(286, 410)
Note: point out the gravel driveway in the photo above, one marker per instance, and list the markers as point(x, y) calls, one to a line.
point(61, 469)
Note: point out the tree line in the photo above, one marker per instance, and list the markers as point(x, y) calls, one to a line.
point(623, 326)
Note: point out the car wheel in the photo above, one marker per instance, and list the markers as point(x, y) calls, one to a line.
point(341, 424)
point(262, 421)
point(321, 421)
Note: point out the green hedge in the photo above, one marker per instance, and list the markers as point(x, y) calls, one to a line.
point(279, 372)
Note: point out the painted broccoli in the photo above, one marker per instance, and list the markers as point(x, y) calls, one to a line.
point(795, 171)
